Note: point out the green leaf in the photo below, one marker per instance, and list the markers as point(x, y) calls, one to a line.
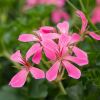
point(75, 92)
point(7, 93)
point(61, 97)
point(39, 89)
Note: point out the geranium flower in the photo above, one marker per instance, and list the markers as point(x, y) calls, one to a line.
point(62, 53)
point(20, 78)
point(96, 15)
point(58, 15)
point(41, 35)
point(84, 25)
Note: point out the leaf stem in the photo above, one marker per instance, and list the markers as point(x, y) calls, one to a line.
point(68, 1)
point(62, 88)
point(82, 5)
point(87, 16)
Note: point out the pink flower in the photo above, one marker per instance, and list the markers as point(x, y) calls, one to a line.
point(96, 15)
point(29, 4)
point(32, 3)
point(98, 2)
point(61, 54)
point(41, 35)
point(58, 3)
point(84, 25)
point(58, 15)
point(20, 78)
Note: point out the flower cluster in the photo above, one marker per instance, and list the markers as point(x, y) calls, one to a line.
point(58, 13)
point(59, 46)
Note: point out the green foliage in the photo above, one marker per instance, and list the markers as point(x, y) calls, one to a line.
point(13, 21)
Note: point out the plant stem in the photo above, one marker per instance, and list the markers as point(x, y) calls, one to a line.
point(91, 24)
point(62, 88)
point(71, 5)
point(82, 5)
point(87, 16)
point(46, 63)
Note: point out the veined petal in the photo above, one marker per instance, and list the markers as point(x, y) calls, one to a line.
point(63, 27)
point(50, 44)
point(50, 36)
point(37, 56)
point(19, 79)
point(50, 48)
point(51, 74)
point(17, 57)
point(32, 50)
point(75, 38)
point(37, 73)
point(77, 60)
point(84, 20)
point(64, 39)
point(73, 71)
point(47, 29)
point(27, 38)
point(80, 53)
point(50, 53)
point(94, 35)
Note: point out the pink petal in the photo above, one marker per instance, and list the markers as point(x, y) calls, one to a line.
point(27, 38)
point(73, 71)
point(32, 50)
point(50, 48)
point(94, 35)
point(31, 2)
point(96, 15)
point(49, 53)
point(63, 40)
point(63, 27)
point(77, 60)
point(47, 29)
point(50, 36)
point(75, 38)
point(58, 15)
point(37, 73)
point(98, 2)
point(17, 57)
point(51, 74)
point(80, 53)
point(84, 20)
point(19, 79)
point(37, 56)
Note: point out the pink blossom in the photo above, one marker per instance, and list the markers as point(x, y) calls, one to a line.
point(61, 53)
point(41, 35)
point(98, 2)
point(84, 25)
point(20, 78)
point(96, 15)
point(58, 3)
point(29, 4)
point(58, 15)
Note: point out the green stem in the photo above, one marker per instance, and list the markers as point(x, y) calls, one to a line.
point(71, 5)
point(87, 16)
point(82, 5)
point(91, 24)
point(46, 63)
point(62, 88)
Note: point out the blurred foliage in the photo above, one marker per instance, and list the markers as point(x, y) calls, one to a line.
point(13, 21)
